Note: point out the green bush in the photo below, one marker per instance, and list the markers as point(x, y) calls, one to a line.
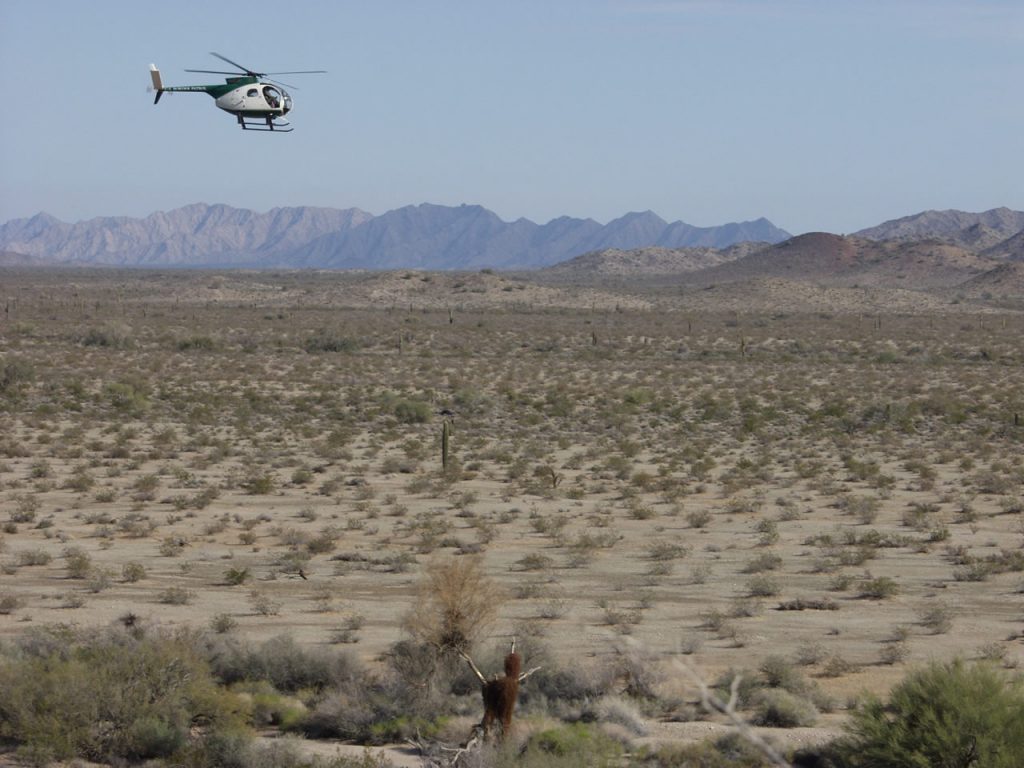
point(412, 411)
point(176, 596)
point(223, 622)
point(204, 343)
point(269, 707)
point(778, 708)
point(132, 572)
point(106, 337)
point(778, 694)
point(364, 713)
point(779, 672)
point(259, 483)
point(78, 562)
point(413, 693)
point(15, 375)
point(729, 751)
point(127, 397)
point(946, 714)
point(154, 737)
point(398, 729)
point(9, 603)
point(327, 341)
point(879, 588)
point(235, 576)
point(571, 745)
point(223, 746)
point(763, 586)
point(108, 696)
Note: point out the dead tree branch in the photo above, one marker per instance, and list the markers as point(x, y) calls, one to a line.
point(529, 672)
point(479, 674)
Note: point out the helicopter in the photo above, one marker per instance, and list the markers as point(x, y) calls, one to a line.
point(259, 104)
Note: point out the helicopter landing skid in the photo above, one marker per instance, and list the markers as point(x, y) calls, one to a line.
point(268, 123)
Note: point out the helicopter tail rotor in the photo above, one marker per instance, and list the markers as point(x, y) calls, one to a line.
point(158, 83)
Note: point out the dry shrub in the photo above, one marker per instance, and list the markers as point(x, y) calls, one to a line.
point(282, 662)
point(457, 601)
point(621, 711)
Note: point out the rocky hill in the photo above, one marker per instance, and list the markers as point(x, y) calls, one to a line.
point(834, 260)
point(639, 263)
point(1010, 249)
point(1006, 280)
point(976, 232)
point(423, 236)
point(818, 261)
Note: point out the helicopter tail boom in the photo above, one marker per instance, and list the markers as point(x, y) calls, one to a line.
point(158, 83)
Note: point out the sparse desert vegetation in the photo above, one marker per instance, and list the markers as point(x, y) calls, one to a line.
point(231, 489)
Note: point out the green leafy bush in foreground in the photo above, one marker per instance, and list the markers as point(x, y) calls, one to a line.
point(130, 696)
point(952, 715)
point(106, 696)
point(569, 746)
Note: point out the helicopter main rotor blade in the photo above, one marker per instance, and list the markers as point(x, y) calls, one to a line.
point(235, 64)
point(214, 72)
point(283, 85)
point(300, 72)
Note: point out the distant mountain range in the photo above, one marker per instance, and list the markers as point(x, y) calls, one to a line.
point(932, 249)
point(423, 236)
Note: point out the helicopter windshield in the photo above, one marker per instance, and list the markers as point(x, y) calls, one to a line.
point(273, 96)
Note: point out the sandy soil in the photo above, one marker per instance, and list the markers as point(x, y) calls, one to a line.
point(639, 476)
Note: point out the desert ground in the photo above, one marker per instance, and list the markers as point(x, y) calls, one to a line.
point(684, 483)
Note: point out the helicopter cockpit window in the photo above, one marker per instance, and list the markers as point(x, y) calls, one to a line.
point(272, 96)
point(252, 92)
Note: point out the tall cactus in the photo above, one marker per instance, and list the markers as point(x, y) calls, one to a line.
point(446, 435)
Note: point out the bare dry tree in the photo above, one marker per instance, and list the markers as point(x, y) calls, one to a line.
point(457, 601)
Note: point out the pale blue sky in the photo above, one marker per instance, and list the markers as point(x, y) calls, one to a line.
point(820, 115)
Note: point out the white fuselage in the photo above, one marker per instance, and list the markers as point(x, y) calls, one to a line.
point(257, 99)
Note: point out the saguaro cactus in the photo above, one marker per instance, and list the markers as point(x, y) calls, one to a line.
point(446, 436)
